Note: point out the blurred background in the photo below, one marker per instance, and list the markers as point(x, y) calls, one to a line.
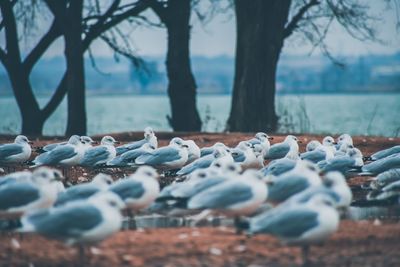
point(300, 66)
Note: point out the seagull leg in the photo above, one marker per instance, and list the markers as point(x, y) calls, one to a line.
point(236, 223)
point(305, 251)
point(131, 220)
point(81, 254)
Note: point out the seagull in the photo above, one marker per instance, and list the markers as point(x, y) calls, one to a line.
point(21, 176)
point(80, 222)
point(138, 190)
point(206, 161)
point(352, 160)
point(149, 137)
point(244, 155)
point(51, 146)
point(193, 150)
point(325, 151)
point(279, 150)
point(343, 149)
point(312, 145)
point(236, 197)
point(334, 185)
point(344, 138)
point(385, 178)
point(262, 139)
point(209, 150)
point(69, 154)
point(384, 153)
point(302, 224)
point(17, 152)
point(173, 198)
point(382, 165)
point(171, 157)
point(390, 194)
point(279, 166)
point(128, 158)
point(301, 177)
point(100, 182)
point(39, 192)
point(99, 155)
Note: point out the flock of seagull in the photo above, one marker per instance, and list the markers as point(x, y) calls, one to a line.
point(297, 197)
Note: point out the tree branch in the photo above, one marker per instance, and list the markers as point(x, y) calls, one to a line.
point(56, 98)
point(293, 24)
point(37, 52)
point(3, 57)
point(159, 9)
point(96, 30)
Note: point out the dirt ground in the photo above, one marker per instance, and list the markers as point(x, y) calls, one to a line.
point(357, 243)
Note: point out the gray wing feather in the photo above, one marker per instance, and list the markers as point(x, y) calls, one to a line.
point(376, 167)
point(8, 150)
point(278, 151)
point(314, 156)
point(66, 222)
point(221, 196)
point(131, 146)
point(16, 195)
point(283, 188)
point(77, 192)
point(289, 224)
point(278, 167)
point(128, 189)
point(56, 155)
point(94, 155)
point(200, 163)
point(159, 156)
point(386, 152)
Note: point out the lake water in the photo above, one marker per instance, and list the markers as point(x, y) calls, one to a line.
point(377, 114)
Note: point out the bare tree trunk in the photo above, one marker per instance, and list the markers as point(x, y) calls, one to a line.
point(182, 86)
point(260, 34)
point(75, 69)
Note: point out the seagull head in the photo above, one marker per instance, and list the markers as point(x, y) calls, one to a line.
point(146, 172)
point(321, 200)
point(220, 152)
point(332, 179)
point(148, 133)
point(199, 174)
point(263, 136)
point(345, 138)
point(312, 145)
point(292, 139)
point(257, 149)
point(102, 179)
point(44, 175)
point(87, 140)
point(109, 199)
point(226, 167)
point(328, 141)
point(243, 145)
point(75, 140)
point(108, 141)
point(22, 140)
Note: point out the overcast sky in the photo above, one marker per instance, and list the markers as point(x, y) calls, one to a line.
point(218, 38)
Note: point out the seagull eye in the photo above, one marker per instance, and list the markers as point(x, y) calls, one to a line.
point(218, 165)
point(231, 168)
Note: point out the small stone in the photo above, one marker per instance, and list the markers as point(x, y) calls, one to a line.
point(390, 138)
point(127, 257)
point(183, 236)
point(377, 222)
point(95, 251)
point(195, 233)
point(241, 248)
point(15, 244)
point(215, 251)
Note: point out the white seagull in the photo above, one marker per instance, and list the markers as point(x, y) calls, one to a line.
point(100, 155)
point(149, 137)
point(17, 152)
point(128, 158)
point(69, 154)
point(171, 157)
point(280, 150)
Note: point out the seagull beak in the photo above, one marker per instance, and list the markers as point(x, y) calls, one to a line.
point(94, 142)
point(117, 142)
point(299, 141)
point(270, 138)
point(335, 143)
point(30, 142)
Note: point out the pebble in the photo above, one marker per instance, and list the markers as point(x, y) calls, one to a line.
point(95, 251)
point(15, 244)
point(215, 251)
point(183, 236)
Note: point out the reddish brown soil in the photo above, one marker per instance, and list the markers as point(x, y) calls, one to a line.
point(363, 243)
point(355, 244)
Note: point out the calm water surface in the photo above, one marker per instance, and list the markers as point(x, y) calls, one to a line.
point(355, 114)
